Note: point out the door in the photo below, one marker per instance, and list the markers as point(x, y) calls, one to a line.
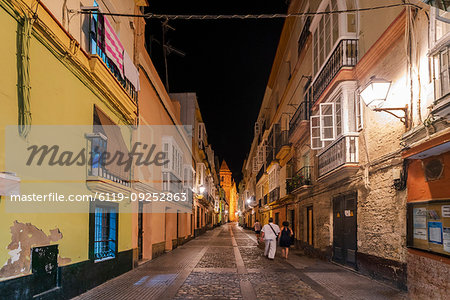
point(140, 230)
point(310, 226)
point(292, 220)
point(344, 229)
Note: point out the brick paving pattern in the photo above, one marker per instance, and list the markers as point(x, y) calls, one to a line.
point(226, 263)
point(209, 285)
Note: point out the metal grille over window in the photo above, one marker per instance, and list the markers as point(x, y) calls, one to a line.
point(105, 233)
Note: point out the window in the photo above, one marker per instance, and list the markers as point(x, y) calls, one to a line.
point(305, 159)
point(442, 67)
point(327, 121)
point(201, 135)
point(338, 113)
point(255, 164)
point(277, 218)
point(439, 20)
point(358, 112)
point(105, 232)
point(316, 142)
point(325, 36)
point(273, 178)
point(201, 169)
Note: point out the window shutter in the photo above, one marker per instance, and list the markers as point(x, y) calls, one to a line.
point(257, 129)
point(260, 155)
point(316, 143)
point(255, 164)
point(327, 122)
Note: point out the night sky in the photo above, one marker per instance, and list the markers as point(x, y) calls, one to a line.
point(227, 64)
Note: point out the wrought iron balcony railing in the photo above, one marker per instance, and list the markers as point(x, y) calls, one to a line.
point(97, 167)
point(260, 173)
point(274, 195)
point(304, 35)
point(342, 151)
point(301, 178)
point(301, 114)
point(282, 140)
point(344, 55)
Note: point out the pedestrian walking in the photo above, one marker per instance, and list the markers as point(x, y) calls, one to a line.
point(257, 228)
point(270, 234)
point(285, 239)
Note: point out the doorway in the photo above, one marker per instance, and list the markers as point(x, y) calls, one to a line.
point(292, 220)
point(140, 230)
point(310, 226)
point(344, 229)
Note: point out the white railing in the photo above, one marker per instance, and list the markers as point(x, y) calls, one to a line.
point(344, 150)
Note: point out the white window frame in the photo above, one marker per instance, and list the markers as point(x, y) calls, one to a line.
point(359, 113)
point(257, 129)
point(312, 137)
point(440, 79)
point(322, 116)
point(255, 164)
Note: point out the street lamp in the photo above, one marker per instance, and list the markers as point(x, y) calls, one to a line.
point(374, 95)
point(202, 189)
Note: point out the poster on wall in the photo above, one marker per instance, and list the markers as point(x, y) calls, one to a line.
point(446, 237)
point(420, 217)
point(435, 232)
point(420, 234)
point(446, 211)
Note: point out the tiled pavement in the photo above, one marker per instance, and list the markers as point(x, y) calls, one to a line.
point(225, 263)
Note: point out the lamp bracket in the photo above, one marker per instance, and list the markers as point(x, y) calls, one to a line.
point(404, 119)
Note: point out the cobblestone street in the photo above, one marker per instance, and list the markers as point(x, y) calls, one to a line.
point(225, 263)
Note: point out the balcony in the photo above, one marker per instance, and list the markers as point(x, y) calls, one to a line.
point(283, 145)
point(274, 195)
point(97, 169)
point(344, 55)
point(260, 173)
point(95, 49)
point(340, 152)
point(304, 35)
point(301, 114)
point(300, 179)
point(265, 199)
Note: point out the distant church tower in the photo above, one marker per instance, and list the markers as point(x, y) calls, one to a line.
point(227, 183)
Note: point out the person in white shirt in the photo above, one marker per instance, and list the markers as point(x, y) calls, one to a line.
point(270, 233)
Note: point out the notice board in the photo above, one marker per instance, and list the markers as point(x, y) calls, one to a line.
point(429, 226)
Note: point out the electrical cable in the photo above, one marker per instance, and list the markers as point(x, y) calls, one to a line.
point(243, 16)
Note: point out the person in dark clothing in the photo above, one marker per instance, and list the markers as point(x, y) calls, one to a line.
point(285, 239)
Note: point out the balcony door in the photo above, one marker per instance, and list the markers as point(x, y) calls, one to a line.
point(344, 229)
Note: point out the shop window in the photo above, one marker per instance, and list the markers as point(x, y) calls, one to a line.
point(429, 226)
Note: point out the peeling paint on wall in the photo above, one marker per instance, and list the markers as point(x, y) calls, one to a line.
point(24, 236)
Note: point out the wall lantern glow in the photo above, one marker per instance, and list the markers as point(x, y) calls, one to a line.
point(226, 211)
point(202, 189)
point(374, 95)
point(375, 92)
point(249, 200)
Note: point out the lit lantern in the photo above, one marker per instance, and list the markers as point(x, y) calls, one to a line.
point(375, 92)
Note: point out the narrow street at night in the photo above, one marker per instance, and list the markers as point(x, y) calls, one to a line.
point(226, 263)
point(257, 149)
